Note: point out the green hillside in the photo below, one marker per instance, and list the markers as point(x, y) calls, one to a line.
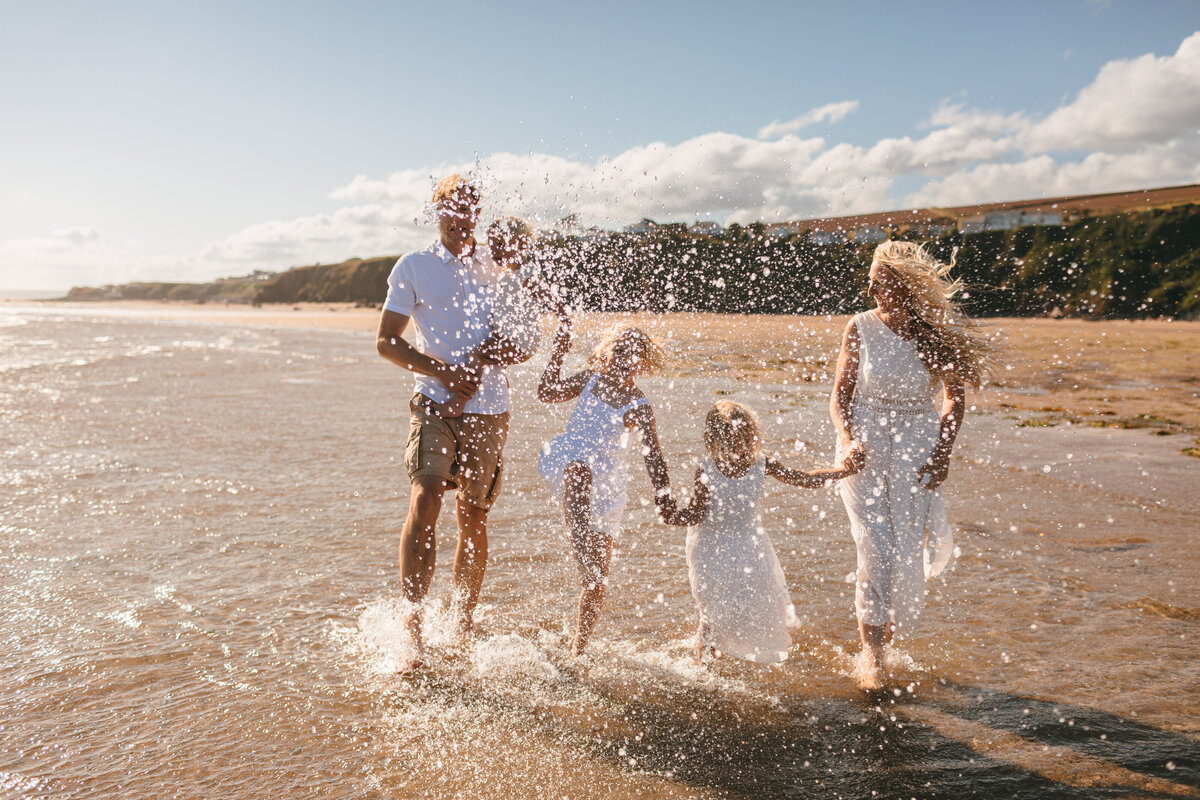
point(1126, 265)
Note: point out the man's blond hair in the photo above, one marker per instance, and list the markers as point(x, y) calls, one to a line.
point(451, 185)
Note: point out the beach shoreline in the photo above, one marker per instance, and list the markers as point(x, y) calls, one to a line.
point(1100, 373)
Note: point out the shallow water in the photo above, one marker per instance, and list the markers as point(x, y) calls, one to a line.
point(198, 530)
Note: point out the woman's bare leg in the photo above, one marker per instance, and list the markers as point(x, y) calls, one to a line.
point(870, 669)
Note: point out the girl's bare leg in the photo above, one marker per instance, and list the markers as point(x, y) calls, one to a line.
point(498, 350)
point(593, 551)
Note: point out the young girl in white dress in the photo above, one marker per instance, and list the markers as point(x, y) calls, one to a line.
point(736, 579)
point(586, 467)
point(518, 300)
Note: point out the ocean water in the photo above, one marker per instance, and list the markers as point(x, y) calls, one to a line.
point(198, 571)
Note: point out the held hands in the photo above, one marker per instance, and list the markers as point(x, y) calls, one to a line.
point(459, 378)
point(665, 506)
point(855, 458)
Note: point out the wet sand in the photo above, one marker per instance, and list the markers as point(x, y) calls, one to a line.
point(1115, 373)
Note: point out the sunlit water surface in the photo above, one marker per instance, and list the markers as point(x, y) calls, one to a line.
point(198, 529)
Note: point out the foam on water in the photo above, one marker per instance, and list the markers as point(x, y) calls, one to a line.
point(382, 639)
point(510, 656)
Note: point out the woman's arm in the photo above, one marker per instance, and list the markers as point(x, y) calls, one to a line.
point(553, 388)
point(696, 509)
point(843, 386)
point(954, 404)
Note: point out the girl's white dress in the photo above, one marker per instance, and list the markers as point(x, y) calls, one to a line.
point(596, 436)
point(745, 609)
point(899, 526)
point(515, 312)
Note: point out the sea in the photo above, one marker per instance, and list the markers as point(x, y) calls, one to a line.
point(199, 526)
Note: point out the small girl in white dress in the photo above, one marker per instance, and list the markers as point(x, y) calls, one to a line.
point(736, 579)
point(586, 467)
point(518, 300)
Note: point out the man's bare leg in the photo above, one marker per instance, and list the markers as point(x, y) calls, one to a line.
point(418, 551)
point(470, 562)
point(481, 442)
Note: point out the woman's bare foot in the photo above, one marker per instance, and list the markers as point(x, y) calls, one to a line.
point(868, 672)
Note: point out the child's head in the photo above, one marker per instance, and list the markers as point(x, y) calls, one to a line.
point(626, 350)
point(509, 239)
point(732, 433)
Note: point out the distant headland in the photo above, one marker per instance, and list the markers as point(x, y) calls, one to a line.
point(1114, 255)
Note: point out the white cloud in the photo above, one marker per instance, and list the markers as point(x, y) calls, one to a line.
point(1135, 125)
point(831, 112)
point(78, 235)
point(1155, 165)
point(1130, 103)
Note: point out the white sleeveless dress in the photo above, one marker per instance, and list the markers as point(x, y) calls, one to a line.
point(745, 608)
point(515, 311)
point(899, 526)
point(595, 436)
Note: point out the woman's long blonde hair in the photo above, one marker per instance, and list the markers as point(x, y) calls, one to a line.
point(650, 356)
point(948, 341)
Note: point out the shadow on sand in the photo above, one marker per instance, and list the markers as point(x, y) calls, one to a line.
point(849, 747)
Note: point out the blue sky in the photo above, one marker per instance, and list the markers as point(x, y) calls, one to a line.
point(171, 140)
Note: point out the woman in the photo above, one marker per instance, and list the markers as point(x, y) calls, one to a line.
point(884, 399)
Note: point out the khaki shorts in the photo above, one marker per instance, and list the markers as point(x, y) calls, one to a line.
point(466, 452)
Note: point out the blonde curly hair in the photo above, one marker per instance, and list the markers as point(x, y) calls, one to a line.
point(650, 355)
point(731, 430)
point(948, 341)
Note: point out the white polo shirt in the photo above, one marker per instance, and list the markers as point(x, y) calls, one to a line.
point(449, 301)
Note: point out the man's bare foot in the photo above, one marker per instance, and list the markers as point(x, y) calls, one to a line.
point(577, 647)
point(415, 658)
point(464, 630)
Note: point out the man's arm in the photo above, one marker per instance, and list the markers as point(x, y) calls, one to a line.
point(392, 346)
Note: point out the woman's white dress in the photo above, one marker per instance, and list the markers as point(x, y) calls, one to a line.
point(899, 526)
point(736, 579)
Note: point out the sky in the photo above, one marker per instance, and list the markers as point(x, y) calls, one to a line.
point(188, 141)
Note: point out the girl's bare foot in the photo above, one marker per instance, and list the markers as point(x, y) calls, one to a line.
point(577, 647)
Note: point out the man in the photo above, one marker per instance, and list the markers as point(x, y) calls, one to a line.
point(445, 290)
